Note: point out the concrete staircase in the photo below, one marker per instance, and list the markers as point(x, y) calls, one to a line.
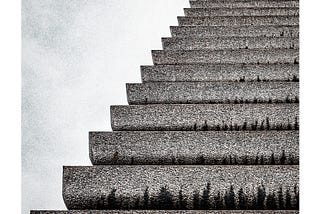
point(212, 128)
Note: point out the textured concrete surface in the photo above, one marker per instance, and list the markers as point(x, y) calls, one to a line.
point(227, 31)
point(200, 147)
point(225, 56)
point(235, 4)
point(215, 43)
point(165, 212)
point(212, 92)
point(84, 186)
point(241, 11)
point(202, 116)
point(238, 21)
point(220, 72)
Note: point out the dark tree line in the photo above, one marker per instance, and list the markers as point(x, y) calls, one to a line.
point(254, 126)
point(205, 200)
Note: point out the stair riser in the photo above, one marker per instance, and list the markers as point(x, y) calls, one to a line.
point(239, 21)
point(226, 56)
point(248, 31)
point(241, 12)
point(204, 117)
point(250, 4)
point(204, 92)
point(194, 147)
point(84, 187)
point(275, 72)
point(229, 43)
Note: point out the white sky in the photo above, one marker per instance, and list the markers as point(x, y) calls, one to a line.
point(77, 56)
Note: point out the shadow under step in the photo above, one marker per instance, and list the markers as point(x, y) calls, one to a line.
point(220, 72)
point(245, 4)
point(164, 212)
point(241, 11)
point(228, 31)
point(161, 186)
point(225, 56)
point(190, 117)
point(215, 43)
point(238, 21)
point(212, 92)
point(201, 147)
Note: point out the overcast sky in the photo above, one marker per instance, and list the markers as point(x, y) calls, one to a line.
point(77, 56)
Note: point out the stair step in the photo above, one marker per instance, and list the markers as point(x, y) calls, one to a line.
point(238, 21)
point(201, 147)
point(227, 31)
point(164, 211)
point(244, 4)
point(215, 43)
point(241, 11)
point(158, 187)
point(220, 72)
point(189, 117)
point(225, 56)
point(212, 92)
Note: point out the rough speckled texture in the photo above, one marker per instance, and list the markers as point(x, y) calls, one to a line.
point(193, 147)
point(238, 21)
point(215, 43)
point(220, 72)
point(165, 212)
point(236, 4)
point(225, 56)
point(212, 92)
point(84, 186)
point(209, 31)
point(199, 116)
point(241, 11)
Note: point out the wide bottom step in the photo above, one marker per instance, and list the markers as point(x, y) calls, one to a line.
point(165, 211)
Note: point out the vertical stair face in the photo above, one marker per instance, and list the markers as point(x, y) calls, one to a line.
point(212, 128)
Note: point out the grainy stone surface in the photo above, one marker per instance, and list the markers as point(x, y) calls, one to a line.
point(214, 43)
point(83, 187)
point(165, 212)
point(212, 92)
point(227, 31)
point(220, 72)
point(238, 21)
point(200, 116)
point(245, 4)
point(225, 56)
point(241, 11)
point(210, 147)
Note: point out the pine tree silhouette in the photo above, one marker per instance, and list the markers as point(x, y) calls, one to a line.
point(218, 202)
point(112, 201)
point(229, 199)
point(146, 198)
point(261, 196)
point(196, 201)
point(271, 201)
point(182, 205)
point(205, 203)
point(101, 203)
point(280, 199)
point(242, 205)
point(296, 194)
point(283, 157)
point(165, 198)
point(272, 160)
point(288, 200)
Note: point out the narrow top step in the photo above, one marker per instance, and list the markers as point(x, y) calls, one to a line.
point(237, 4)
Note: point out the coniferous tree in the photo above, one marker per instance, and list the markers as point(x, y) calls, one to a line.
point(288, 200)
point(283, 157)
point(268, 123)
point(242, 205)
point(261, 196)
point(296, 194)
point(196, 200)
point(165, 198)
point(146, 198)
point(218, 202)
point(280, 199)
point(182, 203)
point(271, 201)
point(112, 201)
point(229, 199)
point(137, 203)
point(101, 203)
point(272, 160)
point(205, 203)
